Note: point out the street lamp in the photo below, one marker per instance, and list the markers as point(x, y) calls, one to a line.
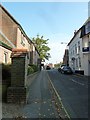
point(64, 43)
point(67, 47)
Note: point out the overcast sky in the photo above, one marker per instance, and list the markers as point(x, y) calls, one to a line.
point(56, 21)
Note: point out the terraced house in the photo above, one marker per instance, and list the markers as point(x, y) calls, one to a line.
point(12, 36)
point(79, 50)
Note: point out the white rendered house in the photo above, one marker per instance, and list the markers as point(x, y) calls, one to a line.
point(79, 50)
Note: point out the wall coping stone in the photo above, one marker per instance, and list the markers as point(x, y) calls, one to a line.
point(19, 53)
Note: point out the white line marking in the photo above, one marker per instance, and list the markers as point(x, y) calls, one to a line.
point(77, 82)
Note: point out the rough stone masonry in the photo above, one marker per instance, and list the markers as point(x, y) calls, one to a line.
point(17, 92)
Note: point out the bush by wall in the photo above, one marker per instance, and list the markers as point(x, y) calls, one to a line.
point(35, 67)
point(32, 68)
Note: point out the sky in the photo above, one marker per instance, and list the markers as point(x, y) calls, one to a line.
point(56, 21)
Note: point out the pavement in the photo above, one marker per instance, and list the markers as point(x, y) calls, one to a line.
point(40, 103)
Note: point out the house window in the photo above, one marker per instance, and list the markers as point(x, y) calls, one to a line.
point(71, 53)
point(78, 46)
point(79, 61)
point(76, 62)
point(5, 57)
point(75, 48)
point(87, 27)
point(89, 44)
point(22, 40)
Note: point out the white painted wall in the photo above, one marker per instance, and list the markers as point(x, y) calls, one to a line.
point(85, 64)
point(35, 56)
point(19, 39)
point(86, 55)
point(72, 52)
point(2, 56)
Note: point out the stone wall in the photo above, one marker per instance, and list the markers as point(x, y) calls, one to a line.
point(17, 92)
point(16, 95)
point(18, 72)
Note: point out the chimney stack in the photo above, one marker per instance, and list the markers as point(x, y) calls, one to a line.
point(75, 32)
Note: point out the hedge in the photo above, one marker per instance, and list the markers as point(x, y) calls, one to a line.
point(32, 68)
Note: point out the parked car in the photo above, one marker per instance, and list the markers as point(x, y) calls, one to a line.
point(59, 69)
point(48, 68)
point(66, 69)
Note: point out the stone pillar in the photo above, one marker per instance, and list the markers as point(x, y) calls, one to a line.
point(17, 93)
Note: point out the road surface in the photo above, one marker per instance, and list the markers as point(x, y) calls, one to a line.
point(73, 91)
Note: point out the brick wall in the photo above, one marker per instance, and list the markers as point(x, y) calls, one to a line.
point(17, 92)
point(8, 27)
point(16, 95)
point(18, 72)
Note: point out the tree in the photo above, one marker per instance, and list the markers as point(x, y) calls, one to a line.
point(42, 47)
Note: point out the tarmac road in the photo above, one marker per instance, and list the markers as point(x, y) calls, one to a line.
point(73, 91)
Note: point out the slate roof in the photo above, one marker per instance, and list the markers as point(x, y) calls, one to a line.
point(79, 30)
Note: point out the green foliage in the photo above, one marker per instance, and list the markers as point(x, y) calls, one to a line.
point(42, 47)
point(32, 69)
point(57, 65)
point(35, 68)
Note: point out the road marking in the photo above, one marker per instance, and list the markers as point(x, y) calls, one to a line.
point(77, 82)
point(58, 96)
point(78, 75)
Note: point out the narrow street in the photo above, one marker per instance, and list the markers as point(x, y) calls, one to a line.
point(38, 46)
point(73, 91)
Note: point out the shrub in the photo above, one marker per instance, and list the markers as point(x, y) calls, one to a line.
point(35, 67)
point(32, 68)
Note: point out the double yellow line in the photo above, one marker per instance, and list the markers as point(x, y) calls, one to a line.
point(58, 96)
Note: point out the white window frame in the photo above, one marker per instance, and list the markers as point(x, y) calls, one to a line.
point(22, 40)
point(5, 57)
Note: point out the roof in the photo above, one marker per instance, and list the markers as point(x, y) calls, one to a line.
point(73, 37)
point(87, 21)
point(23, 32)
point(20, 27)
point(79, 30)
point(5, 45)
